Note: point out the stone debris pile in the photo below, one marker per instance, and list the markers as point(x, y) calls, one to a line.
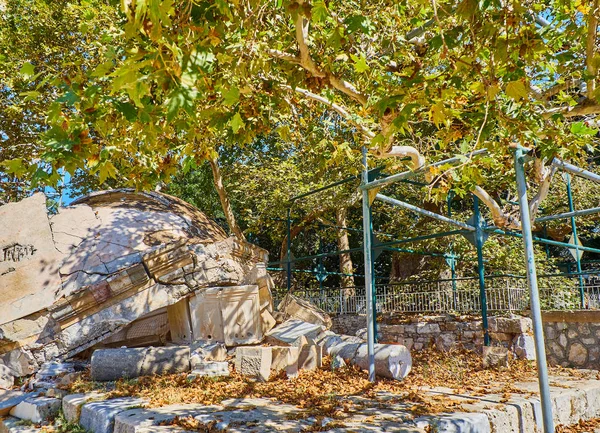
point(122, 268)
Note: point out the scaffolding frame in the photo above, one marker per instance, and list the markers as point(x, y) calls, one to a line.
point(370, 192)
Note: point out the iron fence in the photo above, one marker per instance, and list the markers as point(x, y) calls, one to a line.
point(503, 294)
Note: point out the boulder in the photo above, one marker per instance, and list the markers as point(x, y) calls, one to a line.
point(523, 346)
point(7, 379)
point(494, 357)
point(113, 364)
point(106, 269)
point(296, 308)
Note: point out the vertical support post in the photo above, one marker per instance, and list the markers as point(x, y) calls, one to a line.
point(479, 233)
point(538, 331)
point(367, 228)
point(574, 230)
point(289, 250)
point(453, 258)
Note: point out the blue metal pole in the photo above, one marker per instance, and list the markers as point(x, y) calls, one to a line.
point(367, 227)
point(452, 259)
point(577, 171)
point(479, 233)
point(574, 213)
point(289, 250)
point(425, 212)
point(574, 230)
point(538, 331)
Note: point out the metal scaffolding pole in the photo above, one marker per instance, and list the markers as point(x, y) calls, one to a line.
point(574, 213)
point(480, 269)
point(289, 251)
point(538, 331)
point(576, 240)
point(577, 171)
point(367, 229)
point(452, 258)
point(425, 212)
point(406, 174)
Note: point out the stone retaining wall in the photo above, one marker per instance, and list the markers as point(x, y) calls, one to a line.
point(573, 338)
point(445, 332)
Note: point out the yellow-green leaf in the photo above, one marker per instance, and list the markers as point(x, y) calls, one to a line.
point(236, 123)
point(517, 90)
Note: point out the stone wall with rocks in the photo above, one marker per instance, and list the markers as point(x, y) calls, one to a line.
point(445, 332)
point(573, 338)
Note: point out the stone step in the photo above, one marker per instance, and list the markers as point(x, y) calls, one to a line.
point(72, 404)
point(37, 409)
point(15, 425)
point(11, 398)
point(139, 420)
point(99, 416)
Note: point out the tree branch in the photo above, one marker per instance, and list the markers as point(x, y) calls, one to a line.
point(590, 49)
point(337, 108)
point(501, 219)
point(543, 175)
point(584, 109)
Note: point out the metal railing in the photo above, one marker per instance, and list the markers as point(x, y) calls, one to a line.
point(504, 294)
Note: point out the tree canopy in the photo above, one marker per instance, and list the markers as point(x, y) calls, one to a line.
point(143, 92)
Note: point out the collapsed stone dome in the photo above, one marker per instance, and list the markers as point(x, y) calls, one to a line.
point(71, 280)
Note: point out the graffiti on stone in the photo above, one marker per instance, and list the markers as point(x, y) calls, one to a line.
point(16, 252)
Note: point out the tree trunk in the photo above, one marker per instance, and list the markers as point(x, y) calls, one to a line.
point(346, 265)
point(225, 204)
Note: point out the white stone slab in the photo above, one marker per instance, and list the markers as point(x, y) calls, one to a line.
point(99, 416)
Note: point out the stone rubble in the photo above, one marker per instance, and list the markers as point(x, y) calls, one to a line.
point(121, 268)
point(293, 307)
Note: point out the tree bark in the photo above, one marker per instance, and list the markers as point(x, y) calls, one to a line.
point(346, 265)
point(224, 198)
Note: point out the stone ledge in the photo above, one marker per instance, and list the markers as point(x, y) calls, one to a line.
point(576, 316)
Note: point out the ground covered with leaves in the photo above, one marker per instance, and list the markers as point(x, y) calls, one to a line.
point(326, 391)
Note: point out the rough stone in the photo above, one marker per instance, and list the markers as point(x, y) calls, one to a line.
point(577, 354)
point(523, 347)
point(7, 379)
point(285, 358)
point(300, 309)
point(113, 364)
point(494, 356)
point(254, 362)
point(99, 416)
point(9, 399)
point(15, 425)
point(310, 357)
point(290, 330)
point(209, 368)
point(37, 409)
point(208, 352)
point(72, 404)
